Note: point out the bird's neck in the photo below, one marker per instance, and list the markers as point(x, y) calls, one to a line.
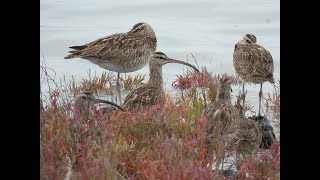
point(155, 78)
point(85, 111)
point(223, 96)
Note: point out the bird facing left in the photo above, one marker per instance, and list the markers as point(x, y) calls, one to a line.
point(120, 52)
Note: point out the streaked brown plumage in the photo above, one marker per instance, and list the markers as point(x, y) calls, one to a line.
point(253, 63)
point(218, 113)
point(247, 137)
point(265, 130)
point(121, 52)
point(85, 100)
point(221, 120)
point(107, 110)
point(152, 92)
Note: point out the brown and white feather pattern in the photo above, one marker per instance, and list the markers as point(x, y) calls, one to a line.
point(253, 62)
point(143, 97)
point(152, 93)
point(121, 52)
point(247, 137)
point(221, 116)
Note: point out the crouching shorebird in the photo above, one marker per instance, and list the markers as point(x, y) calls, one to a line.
point(152, 92)
point(85, 101)
point(221, 120)
point(253, 63)
point(121, 52)
point(248, 135)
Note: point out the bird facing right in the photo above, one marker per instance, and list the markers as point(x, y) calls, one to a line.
point(253, 63)
point(152, 92)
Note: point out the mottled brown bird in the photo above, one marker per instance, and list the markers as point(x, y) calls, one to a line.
point(265, 130)
point(221, 120)
point(107, 110)
point(253, 63)
point(121, 52)
point(85, 100)
point(248, 136)
point(152, 92)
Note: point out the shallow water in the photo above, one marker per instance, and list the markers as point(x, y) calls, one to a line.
point(208, 29)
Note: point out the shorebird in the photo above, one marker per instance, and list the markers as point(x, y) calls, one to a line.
point(121, 52)
point(107, 110)
point(84, 102)
point(248, 134)
point(247, 137)
point(221, 120)
point(253, 63)
point(152, 92)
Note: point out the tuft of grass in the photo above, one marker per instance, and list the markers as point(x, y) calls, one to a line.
point(130, 83)
point(272, 101)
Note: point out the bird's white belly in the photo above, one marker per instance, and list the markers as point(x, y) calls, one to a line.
point(130, 66)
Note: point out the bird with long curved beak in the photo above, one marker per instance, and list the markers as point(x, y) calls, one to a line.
point(85, 100)
point(152, 92)
point(120, 52)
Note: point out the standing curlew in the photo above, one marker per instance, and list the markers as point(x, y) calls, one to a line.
point(221, 120)
point(253, 63)
point(121, 52)
point(152, 92)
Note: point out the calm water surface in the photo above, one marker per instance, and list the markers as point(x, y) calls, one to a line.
point(208, 29)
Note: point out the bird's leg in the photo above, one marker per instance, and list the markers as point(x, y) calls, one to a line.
point(222, 162)
point(260, 96)
point(118, 89)
point(243, 98)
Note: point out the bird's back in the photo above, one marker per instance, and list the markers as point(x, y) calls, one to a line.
point(248, 136)
point(253, 63)
point(220, 118)
point(143, 97)
point(122, 52)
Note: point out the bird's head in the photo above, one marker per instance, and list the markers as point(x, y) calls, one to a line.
point(224, 88)
point(142, 28)
point(160, 59)
point(85, 100)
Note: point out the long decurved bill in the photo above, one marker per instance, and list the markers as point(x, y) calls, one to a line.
point(109, 102)
point(182, 62)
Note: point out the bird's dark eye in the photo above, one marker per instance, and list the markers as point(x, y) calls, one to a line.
point(113, 108)
point(247, 41)
point(231, 89)
point(160, 57)
point(138, 29)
